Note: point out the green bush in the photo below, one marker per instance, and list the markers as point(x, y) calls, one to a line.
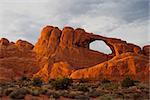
point(37, 81)
point(127, 82)
point(83, 88)
point(61, 83)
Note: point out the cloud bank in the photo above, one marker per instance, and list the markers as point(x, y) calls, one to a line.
point(123, 19)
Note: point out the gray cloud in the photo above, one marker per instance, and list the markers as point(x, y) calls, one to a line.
point(116, 18)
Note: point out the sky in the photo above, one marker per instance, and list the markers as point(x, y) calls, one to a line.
point(124, 19)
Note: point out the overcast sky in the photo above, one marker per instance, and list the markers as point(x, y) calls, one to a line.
point(125, 19)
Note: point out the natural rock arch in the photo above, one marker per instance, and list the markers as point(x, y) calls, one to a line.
point(100, 46)
point(67, 53)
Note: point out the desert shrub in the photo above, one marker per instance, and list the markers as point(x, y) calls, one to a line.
point(35, 92)
point(24, 81)
point(8, 91)
point(43, 91)
point(82, 80)
point(83, 88)
point(110, 86)
point(37, 81)
point(23, 78)
point(136, 81)
point(50, 81)
point(55, 95)
point(127, 82)
point(61, 83)
point(19, 93)
point(107, 84)
point(105, 81)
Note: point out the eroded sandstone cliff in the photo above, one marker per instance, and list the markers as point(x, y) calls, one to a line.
point(16, 59)
point(66, 53)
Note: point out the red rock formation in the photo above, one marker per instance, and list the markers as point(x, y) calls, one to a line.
point(21, 44)
point(43, 73)
point(146, 50)
point(64, 53)
point(17, 59)
point(70, 46)
point(61, 69)
point(127, 64)
point(4, 41)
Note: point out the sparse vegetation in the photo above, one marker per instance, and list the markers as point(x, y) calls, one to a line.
point(127, 82)
point(35, 91)
point(82, 80)
point(110, 86)
point(105, 81)
point(50, 81)
point(61, 83)
point(37, 81)
point(23, 78)
point(65, 87)
point(19, 93)
point(83, 88)
point(8, 91)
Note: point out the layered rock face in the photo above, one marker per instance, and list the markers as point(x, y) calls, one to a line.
point(66, 53)
point(68, 45)
point(72, 46)
point(16, 59)
point(126, 64)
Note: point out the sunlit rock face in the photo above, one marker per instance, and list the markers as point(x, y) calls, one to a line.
point(72, 45)
point(68, 45)
point(126, 64)
point(66, 53)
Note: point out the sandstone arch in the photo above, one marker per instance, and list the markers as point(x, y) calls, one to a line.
point(100, 46)
point(70, 48)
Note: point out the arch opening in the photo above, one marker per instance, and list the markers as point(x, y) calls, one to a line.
point(100, 46)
